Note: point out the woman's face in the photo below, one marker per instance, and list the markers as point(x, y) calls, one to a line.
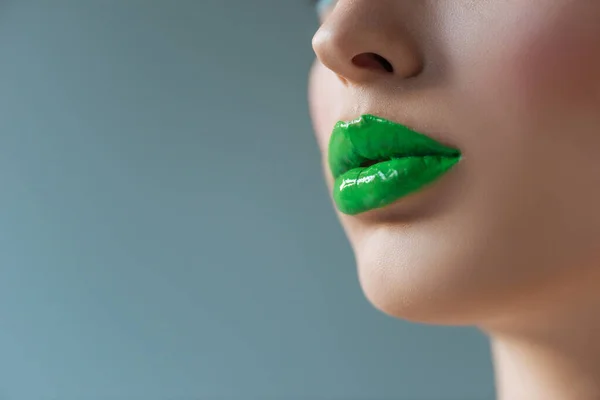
point(513, 84)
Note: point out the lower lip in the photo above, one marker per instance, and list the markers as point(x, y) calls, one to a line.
point(381, 184)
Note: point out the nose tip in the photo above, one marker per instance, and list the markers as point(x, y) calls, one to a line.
point(361, 49)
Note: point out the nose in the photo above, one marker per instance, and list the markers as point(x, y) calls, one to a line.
point(365, 40)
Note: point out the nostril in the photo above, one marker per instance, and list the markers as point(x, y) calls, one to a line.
point(372, 61)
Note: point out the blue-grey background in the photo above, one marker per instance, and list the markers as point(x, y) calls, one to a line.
point(164, 229)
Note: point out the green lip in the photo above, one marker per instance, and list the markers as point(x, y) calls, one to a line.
point(376, 162)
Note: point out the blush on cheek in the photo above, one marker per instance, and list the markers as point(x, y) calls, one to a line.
point(556, 63)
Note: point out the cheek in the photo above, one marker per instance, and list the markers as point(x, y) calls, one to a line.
point(324, 103)
point(557, 65)
point(542, 58)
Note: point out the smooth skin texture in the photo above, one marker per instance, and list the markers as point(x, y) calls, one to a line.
point(509, 239)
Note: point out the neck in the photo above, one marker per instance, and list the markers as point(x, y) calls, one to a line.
point(550, 348)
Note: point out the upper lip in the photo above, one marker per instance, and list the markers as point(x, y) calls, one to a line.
point(369, 139)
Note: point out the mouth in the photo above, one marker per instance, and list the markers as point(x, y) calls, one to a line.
point(375, 162)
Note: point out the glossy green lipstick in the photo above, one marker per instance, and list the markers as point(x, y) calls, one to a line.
point(376, 162)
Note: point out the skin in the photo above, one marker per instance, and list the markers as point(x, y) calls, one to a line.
point(509, 240)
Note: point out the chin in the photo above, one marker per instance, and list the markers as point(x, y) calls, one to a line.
point(449, 266)
point(405, 291)
point(424, 259)
point(444, 272)
point(402, 276)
